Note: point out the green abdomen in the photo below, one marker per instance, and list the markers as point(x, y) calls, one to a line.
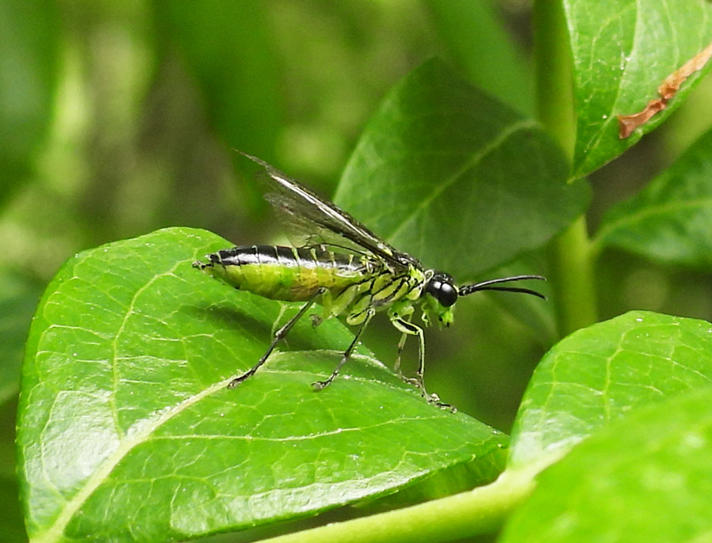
point(287, 273)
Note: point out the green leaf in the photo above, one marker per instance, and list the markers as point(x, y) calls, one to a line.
point(28, 76)
point(596, 375)
point(671, 219)
point(18, 298)
point(645, 478)
point(457, 179)
point(227, 47)
point(127, 430)
point(622, 51)
point(476, 36)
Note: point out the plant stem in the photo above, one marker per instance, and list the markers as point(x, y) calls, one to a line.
point(574, 284)
point(463, 515)
point(572, 260)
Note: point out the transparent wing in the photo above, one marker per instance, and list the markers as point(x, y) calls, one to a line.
point(319, 221)
point(302, 231)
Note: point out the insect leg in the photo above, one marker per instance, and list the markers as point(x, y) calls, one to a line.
point(408, 328)
point(319, 385)
point(278, 335)
point(401, 345)
point(403, 310)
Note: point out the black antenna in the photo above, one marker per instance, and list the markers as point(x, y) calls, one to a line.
point(488, 285)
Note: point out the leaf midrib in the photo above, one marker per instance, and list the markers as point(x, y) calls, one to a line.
point(474, 160)
point(141, 432)
point(136, 435)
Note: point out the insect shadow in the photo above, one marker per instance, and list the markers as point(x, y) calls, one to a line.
point(232, 319)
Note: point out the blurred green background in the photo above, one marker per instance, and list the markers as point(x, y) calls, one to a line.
point(118, 118)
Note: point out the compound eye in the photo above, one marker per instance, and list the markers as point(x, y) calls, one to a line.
point(446, 294)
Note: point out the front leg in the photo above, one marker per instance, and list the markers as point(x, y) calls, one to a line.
point(400, 310)
point(408, 328)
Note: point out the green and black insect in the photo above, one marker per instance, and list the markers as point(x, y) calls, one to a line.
point(346, 268)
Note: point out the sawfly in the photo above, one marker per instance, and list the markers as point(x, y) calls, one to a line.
point(347, 269)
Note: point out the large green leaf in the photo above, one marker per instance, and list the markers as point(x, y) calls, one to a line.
point(671, 219)
point(596, 375)
point(645, 478)
point(456, 178)
point(28, 70)
point(127, 431)
point(622, 51)
point(18, 298)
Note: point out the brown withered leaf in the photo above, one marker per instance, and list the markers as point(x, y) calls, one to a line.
point(667, 90)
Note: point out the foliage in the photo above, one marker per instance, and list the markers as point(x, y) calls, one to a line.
point(125, 428)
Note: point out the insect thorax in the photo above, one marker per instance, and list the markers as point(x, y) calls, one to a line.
point(378, 291)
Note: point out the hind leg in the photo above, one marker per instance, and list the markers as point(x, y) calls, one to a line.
point(278, 336)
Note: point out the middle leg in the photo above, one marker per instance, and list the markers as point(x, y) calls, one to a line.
point(319, 385)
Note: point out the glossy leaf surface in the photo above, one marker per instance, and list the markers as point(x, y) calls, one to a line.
point(645, 478)
point(671, 219)
point(622, 51)
point(598, 374)
point(128, 432)
point(442, 169)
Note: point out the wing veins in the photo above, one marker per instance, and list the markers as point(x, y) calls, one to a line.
point(305, 210)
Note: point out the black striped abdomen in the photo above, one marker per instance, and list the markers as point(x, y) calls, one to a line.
point(289, 273)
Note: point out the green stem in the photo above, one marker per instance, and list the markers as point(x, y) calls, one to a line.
point(574, 284)
point(572, 258)
point(463, 515)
